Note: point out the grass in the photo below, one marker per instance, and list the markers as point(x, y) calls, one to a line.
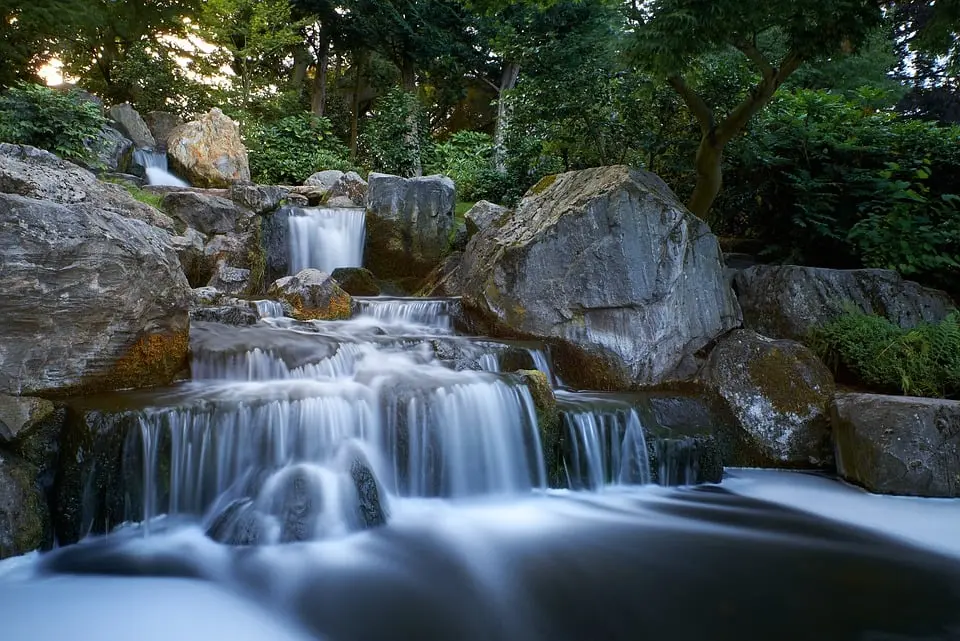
point(146, 197)
point(461, 209)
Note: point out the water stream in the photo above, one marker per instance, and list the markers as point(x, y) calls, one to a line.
point(157, 169)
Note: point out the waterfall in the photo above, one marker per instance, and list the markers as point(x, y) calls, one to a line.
point(434, 313)
point(157, 170)
point(269, 309)
point(325, 239)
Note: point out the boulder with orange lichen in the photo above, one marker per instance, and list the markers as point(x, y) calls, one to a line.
point(314, 295)
point(209, 152)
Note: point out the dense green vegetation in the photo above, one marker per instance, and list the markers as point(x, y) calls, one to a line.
point(872, 351)
point(61, 122)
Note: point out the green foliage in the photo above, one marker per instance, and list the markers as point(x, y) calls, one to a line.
point(60, 122)
point(291, 149)
point(466, 157)
point(924, 361)
point(394, 139)
point(146, 197)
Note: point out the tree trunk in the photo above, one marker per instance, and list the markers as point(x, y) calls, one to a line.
point(318, 99)
point(709, 176)
point(412, 136)
point(508, 80)
point(355, 107)
point(301, 60)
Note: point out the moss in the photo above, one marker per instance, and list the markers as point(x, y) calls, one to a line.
point(339, 307)
point(548, 422)
point(256, 263)
point(31, 524)
point(146, 197)
point(775, 372)
point(544, 184)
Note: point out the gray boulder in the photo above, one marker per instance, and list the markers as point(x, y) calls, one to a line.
point(350, 185)
point(482, 215)
point(409, 221)
point(356, 281)
point(237, 315)
point(230, 280)
point(24, 516)
point(18, 414)
point(91, 300)
point(260, 199)
point(611, 269)
point(898, 444)
point(779, 393)
point(112, 151)
point(324, 179)
point(162, 124)
point(340, 202)
point(34, 173)
point(787, 301)
point(205, 213)
point(314, 295)
point(132, 125)
point(195, 264)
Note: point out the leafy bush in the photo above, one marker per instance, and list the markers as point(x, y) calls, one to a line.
point(924, 361)
point(396, 138)
point(293, 148)
point(60, 122)
point(465, 157)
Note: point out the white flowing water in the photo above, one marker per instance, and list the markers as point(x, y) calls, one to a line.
point(157, 170)
point(326, 238)
point(269, 309)
point(434, 313)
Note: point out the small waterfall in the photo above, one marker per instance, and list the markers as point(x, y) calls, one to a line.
point(157, 169)
point(269, 309)
point(265, 365)
point(432, 312)
point(325, 239)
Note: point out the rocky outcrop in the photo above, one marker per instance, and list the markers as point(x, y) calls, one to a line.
point(340, 202)
point(162, 124)
point(132, 125)
point(898, 444)
point(230, 280)
point(260, 199)
point(111, 151)
point(483, 215)
point(356, 281)
point(189, 246)
point(91, 300)
point(350, 185)
point(226, 314)
point(209, 152)
point(780, 394)
point(24, 516)
point(609, 267)
point(324, 179)
point(34, 173)
point(787, 301)
point(314, 295)
point(20, 414)
point(207, 214)
point(409, 221)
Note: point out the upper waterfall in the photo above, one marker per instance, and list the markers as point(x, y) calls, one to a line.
point(326, 238)
point(157, 169)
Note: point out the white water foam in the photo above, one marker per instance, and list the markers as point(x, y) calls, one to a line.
point(157, 169)
point(326, 238)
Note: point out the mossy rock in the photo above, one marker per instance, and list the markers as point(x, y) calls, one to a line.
point(314, 295)
point(548, 422)
point(357, 281)
point(24, 513)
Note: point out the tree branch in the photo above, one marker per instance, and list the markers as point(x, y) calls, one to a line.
point(755, 56)
point(700, 109)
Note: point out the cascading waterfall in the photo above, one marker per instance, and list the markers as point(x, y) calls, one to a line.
point(326, 238)
point(434, 313)
point(157, 169)
point(269, 309)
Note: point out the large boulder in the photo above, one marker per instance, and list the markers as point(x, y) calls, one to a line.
point(19, 414)
point(34, 173)
point(779, 393)
point(197, 267)
point(324, 179)
point(205, 213)
point(898, 444)
point(132, 125)
point(230, 280)
point(409, 221)
point(314, 295)
point(260, 199)
point(91, 300)
point(482, 215)
point(787, 301)
point(351, 186)
point(111, 151)
point(24, 516)
point(209, 152)
point(356, 281)
point(162, 124)
point(610, 268)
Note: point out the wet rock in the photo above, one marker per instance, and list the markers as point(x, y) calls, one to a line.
point(226, 315)
point(207, 214)
point(162, 124)
point(36, 426)
point(260, 199)
point(350, 185)
point(296, 499)
point(209, 152)
point(24, 515)
point(238, 524)
point(548, 422)
point(91, 300)
point(356, 281)
point(460, 237)
point(611, 269)
point(370, 511)
point(685, 460)
point(112, 151)
point(409, 221)
point(207, 295)
point(324, 179)
point(483, 215)
point(780, 393)
point(898, 444)
point(314, 295)
point(132, 125)
point(787, 301)
point(34, 173)
point(230, 280)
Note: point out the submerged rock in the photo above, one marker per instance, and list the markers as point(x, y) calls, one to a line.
point(24, 515)
point(787, 301)
point(898, 444)
point(357, 281)
point(409, 221)
point(370, 511)
point(209, 152)
point(314, 295)
point(780, 394)
point(609, 267)
point(132, 125)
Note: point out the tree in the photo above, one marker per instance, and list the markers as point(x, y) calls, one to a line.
point(776, 37)
point(29, 32)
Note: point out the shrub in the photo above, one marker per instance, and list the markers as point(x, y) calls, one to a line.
point(387, 143)
point(60, 122)
point(290, 150)
point(465, 156)
point(924, 361)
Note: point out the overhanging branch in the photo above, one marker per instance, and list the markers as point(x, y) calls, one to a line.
point(700, 109)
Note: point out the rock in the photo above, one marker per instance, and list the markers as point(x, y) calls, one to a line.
point(898, 444)
point(482, 215)
point(370, 511)
point(260, 199)
point(238, 524)
point(230, 280)
point(112, 151)
point(209, 152)
point(314, 196)
point(132, 125)
point(356, 281)
point(24, 516)
point(275, 236)
point(314, 295)
point(20, 413)
point(349, 185)
point(687, 460)
point(34, 173)
point(787, 301)
point(125, 180)
point(162, 124)
point(197, 267)
point(226, 315)
point(780, 393)
point(35, 425)
point(409, 221)
point(444, 280)
point(324, 179)
point(92, 300)
point(460, 237)
point(548, 422)
point(607, 266)
point(297, 200)
point(206, 214)
point(207, 295)
point(340, 202)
